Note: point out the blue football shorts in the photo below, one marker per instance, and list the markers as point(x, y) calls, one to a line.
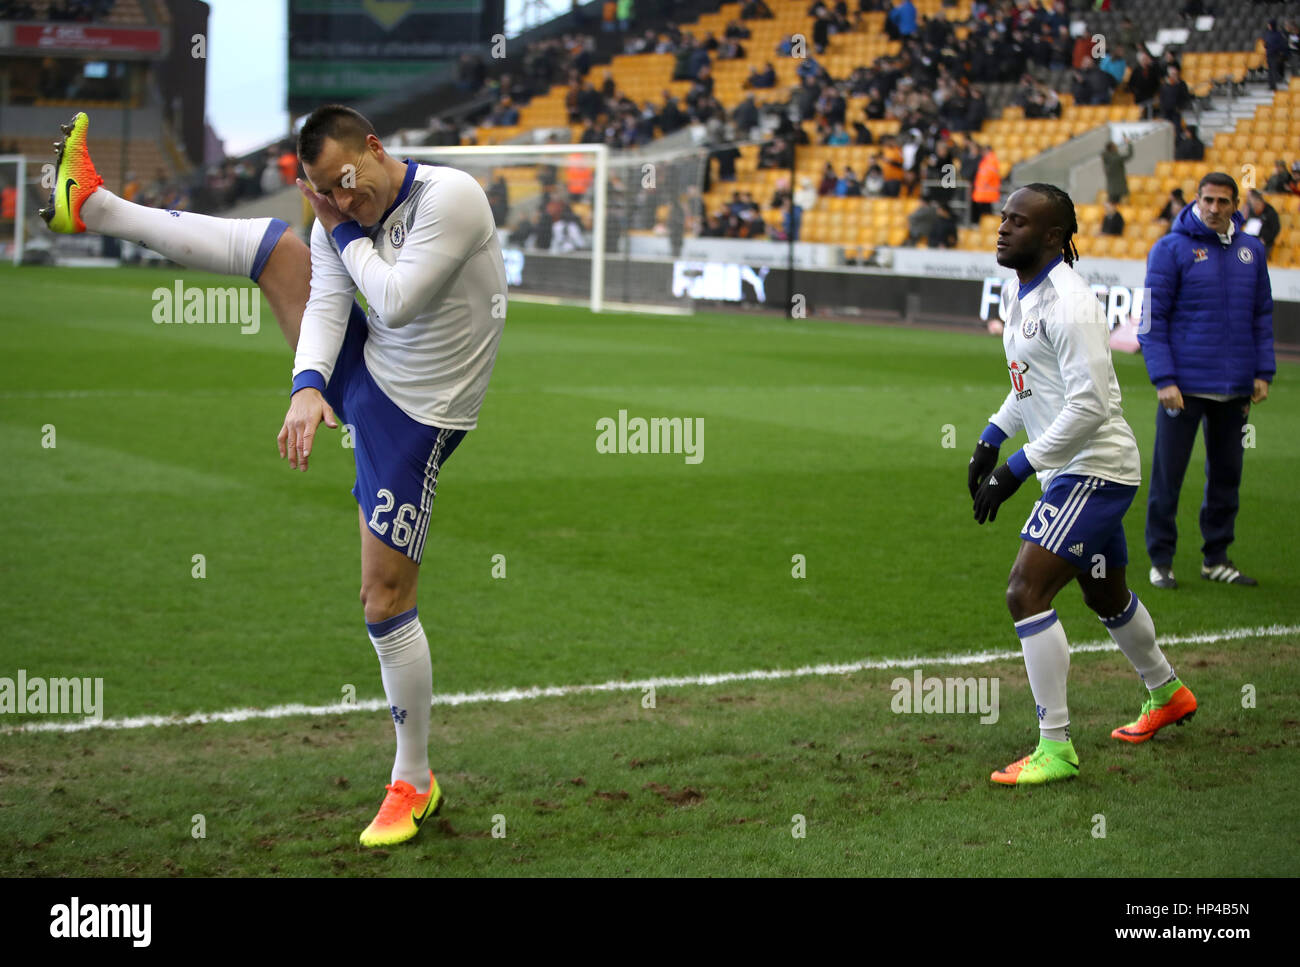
point(1081, 519)
point(397, 458)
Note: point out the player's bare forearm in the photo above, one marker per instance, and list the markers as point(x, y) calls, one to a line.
point(307, 410)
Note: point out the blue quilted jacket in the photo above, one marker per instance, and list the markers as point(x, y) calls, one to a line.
point(1211, 311)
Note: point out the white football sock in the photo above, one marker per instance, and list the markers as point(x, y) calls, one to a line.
point(1135, 633)
point(407, 671)
point(1047, 660)
point(227, 246)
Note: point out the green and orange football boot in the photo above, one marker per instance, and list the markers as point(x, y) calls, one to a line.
point(1171, 704)
point(403, 813)
point(75, 179)
point(1050, 762)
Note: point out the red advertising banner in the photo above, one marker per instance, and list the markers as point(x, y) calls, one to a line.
point(83, 38)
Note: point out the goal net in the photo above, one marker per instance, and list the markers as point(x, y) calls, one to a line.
point(579, 223)
point(19, 193)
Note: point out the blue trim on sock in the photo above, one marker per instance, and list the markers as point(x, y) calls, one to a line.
point(389, 625)
point(993, 434)
point(1020, 465)
point(308, 377)
point(1033, 283)
point(1124, 618)
point(346, 233)
point(1026, 627)
point(272, 235)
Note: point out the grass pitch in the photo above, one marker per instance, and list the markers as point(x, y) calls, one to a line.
point(821, 440)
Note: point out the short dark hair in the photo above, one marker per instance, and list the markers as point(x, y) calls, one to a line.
point(1063, 217)
point(1220, 179)
point(335, 121)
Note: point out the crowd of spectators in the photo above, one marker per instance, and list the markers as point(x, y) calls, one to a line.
point(73, 11)
point(931, 87)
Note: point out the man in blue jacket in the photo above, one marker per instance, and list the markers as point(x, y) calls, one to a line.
point(1209, 352)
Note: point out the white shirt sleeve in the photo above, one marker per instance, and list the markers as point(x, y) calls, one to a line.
point(1008, 418)
point(325, 320)
point(453, 221)
point(1077, 331)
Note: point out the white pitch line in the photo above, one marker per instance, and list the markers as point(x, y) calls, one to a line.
point(558, 691)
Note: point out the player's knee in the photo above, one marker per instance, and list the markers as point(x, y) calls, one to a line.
point(382, 597)
point(1023, 599)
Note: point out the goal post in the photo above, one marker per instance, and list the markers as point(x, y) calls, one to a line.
point(487, 162)
point(581, 224)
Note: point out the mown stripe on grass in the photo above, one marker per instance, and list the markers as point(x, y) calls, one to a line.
point(679, 681)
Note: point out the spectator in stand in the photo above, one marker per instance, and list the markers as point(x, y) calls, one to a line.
point(1174, 96)
point(731, 50)
point(1173, 207)
point(755, 10)
point(498, 196)
point(1082, 54)
point(776, 153)
point(8, 201)
point(626, 14)
point(1112, 223)
point(1115, 66)
point(838, 137)
point(943, 233)
point(1261, 220)
point(791, 221)
point(1130, 38)
point(761, 80)
point(270, 178)
point(727, 155)
point(848, 185)
point(1092, 85)
point(920, 222)
point(737, 31)
point(1062, 51)
point(288, 164)
point(1144, 82)
point(506, 114)
point(987, 190)
point(1275, 51)
point(1280, 180)
point(874, 183)
point(745, 116)
point(805, 198)
point(780, 192)
point(862, 132)
point(901, 21)
point(830, 180)
point(470, 72)
point(821, 31)
point(1113, 162)
point(1187, 144)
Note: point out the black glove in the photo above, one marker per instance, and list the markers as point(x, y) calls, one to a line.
point(999, 486)
point(982, 463)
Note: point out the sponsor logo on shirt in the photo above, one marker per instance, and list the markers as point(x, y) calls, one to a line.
point(1018, 370)
point(1200, 254)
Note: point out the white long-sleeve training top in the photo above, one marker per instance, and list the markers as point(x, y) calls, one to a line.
point(1064, 393)
point(434, 282)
